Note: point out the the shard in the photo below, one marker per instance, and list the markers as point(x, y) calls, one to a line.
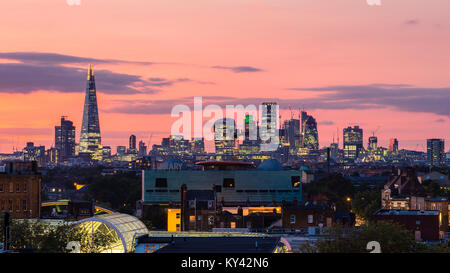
point(90, 139)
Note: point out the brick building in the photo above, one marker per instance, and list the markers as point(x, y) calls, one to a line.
point(309, 214)
point(403, 191)
point(424, 224)
point(20, 190)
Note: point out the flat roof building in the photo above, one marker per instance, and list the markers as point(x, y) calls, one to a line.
point(235, 183)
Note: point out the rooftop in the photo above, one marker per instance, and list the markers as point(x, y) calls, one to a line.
point(407, 212)
point(234, 244)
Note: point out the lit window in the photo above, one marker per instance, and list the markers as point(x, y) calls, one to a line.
point(228, 182)
point(310, 219)
point(295, 180)
point(292, 219)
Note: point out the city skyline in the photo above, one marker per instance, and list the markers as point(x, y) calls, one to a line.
point(365, 78)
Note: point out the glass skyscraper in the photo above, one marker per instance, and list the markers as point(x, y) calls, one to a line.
point(90, 140)
point(435, 151)
point(65, 139)
point(225, 136)
point(353, 142)
point(310, 135)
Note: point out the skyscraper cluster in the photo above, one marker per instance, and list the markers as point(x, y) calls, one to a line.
point(260, 140)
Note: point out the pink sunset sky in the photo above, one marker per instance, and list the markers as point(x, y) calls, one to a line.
point(385, 68)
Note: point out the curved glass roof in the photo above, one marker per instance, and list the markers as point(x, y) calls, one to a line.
point(123, 226)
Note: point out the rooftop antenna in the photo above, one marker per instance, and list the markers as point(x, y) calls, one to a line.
point(150, 138)
point(337, 131)
point(373, 132)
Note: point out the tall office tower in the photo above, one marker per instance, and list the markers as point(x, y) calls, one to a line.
point(435, 151)
point(225, 136)
point(250, 131)
point(34, 153)
point(65, 139)
point(53, 155)
point(121, 150)
point(309, 133)
point(251, 142)
point(106, 152)
point(393, 145)
point(175, 145)
point(292, 133)
point(197, 146)
point(90, 140)
point(353, 142)
point(373, 143)
point(132, 145)
point(334, 150)
point(142, 149)
point(268, 131)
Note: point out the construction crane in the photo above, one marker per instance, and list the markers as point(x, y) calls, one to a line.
point(150, 139)
point(373, 132)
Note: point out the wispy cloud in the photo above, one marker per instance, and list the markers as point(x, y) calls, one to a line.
point(42, 58)
point(401, 97)
point(25, 78)
point(238, 69)
point(412, 22)
point(326, 122)
point(31, 71)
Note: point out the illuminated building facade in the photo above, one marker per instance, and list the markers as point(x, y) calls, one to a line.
point(373, 143)
point(435, 152)
point(292, 135)
point(132, 145)
point(142, 149)
point(251, 142)
point(353, 142)
point(309, 133)
point(269, 132)
point(197, 146)
point(334, 150)
point(393, 145)
point(53, 155)
point(225, 136)
point(90, 139)
point(106, 151)
point(176, 145)
point(65, 139)
point(121, 150)
point(34, 153)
